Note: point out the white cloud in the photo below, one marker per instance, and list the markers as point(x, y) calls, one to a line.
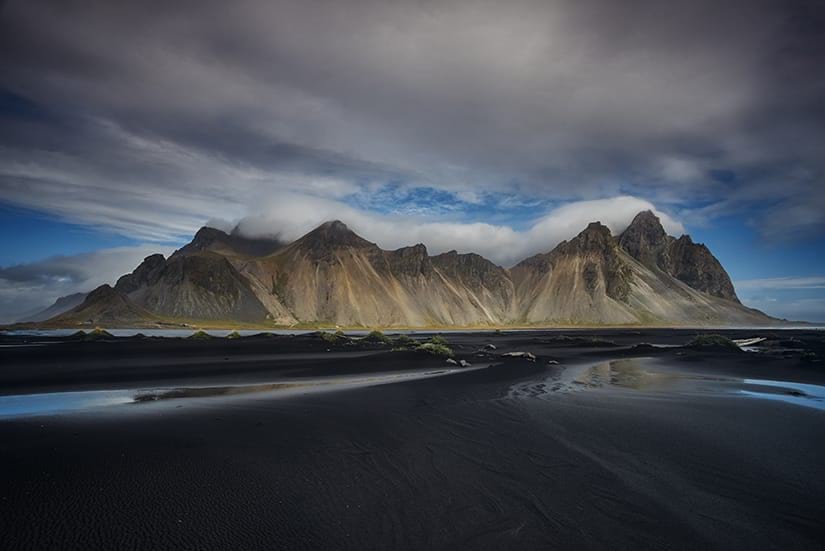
point(811, 309)
point(791, 282)
point(294, 215)
point(32, 286)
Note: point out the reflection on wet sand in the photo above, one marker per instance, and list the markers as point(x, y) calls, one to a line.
point(207, 391)
point(651, 375)
point(628, 373)
point(65, 402)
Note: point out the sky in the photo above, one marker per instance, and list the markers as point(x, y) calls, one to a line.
point(495, 127)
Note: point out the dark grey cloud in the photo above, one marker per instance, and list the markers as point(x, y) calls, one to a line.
point(150, 118)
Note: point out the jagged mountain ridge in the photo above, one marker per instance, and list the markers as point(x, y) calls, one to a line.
point(692, 263)
point(331, 275)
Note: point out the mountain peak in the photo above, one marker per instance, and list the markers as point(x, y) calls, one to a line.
point(335, 225)
point(644, 238)
point(646, 217)
point(647, 224)
point(208, 233)
point(212, 239)
point(595, 236)
point(333, 234)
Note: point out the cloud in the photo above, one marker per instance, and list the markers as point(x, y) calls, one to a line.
point(793, 297)
point(810, 309)
point(148, 122)
point(28, 287)
point(293, 216)
point(809, 282)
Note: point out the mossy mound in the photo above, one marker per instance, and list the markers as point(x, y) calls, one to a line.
point(436, 349)
point(328, 337)
point(403, 342)
point(97, 333)
point(713, 342)
point(579, 342)
point(200, 336)
point(439, 340)
point(377, 337)
point(233, 335)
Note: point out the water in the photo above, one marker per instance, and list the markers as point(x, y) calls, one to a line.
point(651, 375)
point(25, 405)
point(800, 394)
point(56, 402)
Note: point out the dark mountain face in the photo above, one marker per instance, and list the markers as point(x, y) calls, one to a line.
point(147, 273)
point(409, 261)
point(473, 269)
point(597, 246)
point(332, 275)
point(694, 264)
point(211, 239)
point(322, 242)
point(201, 285)
point(106, 305)
point(646, 241)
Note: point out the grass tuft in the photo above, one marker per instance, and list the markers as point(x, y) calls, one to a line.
point(377, 336)
point(436, 349)
point(717, 342)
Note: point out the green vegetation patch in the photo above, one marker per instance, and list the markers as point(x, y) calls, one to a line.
point(404, 342)
point(332, 338)
point(439, 340)
point(200, 336)
point(97, 333)
point(435, 349)
point(715, 342)
point(583, 342)
point(377, 337)
point(233, 335)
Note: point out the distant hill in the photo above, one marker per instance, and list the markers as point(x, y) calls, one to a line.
point(333, 276)
point(62, 304)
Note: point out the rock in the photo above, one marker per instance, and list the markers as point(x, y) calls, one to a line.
point(490, 346)
point(552, 362)
point(691, 263)
point(464, 363)
point(530, 357)
point(452, 361)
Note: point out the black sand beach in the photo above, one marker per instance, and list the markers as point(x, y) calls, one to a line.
point(666, 448)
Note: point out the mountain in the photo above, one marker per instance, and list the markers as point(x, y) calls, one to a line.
point(195, 285)
point(62, 304)
point(331, 275)
point(692, 263)
point(230, 244)
point(105, 306)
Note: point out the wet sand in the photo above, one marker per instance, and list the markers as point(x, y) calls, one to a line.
point(665, 453)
